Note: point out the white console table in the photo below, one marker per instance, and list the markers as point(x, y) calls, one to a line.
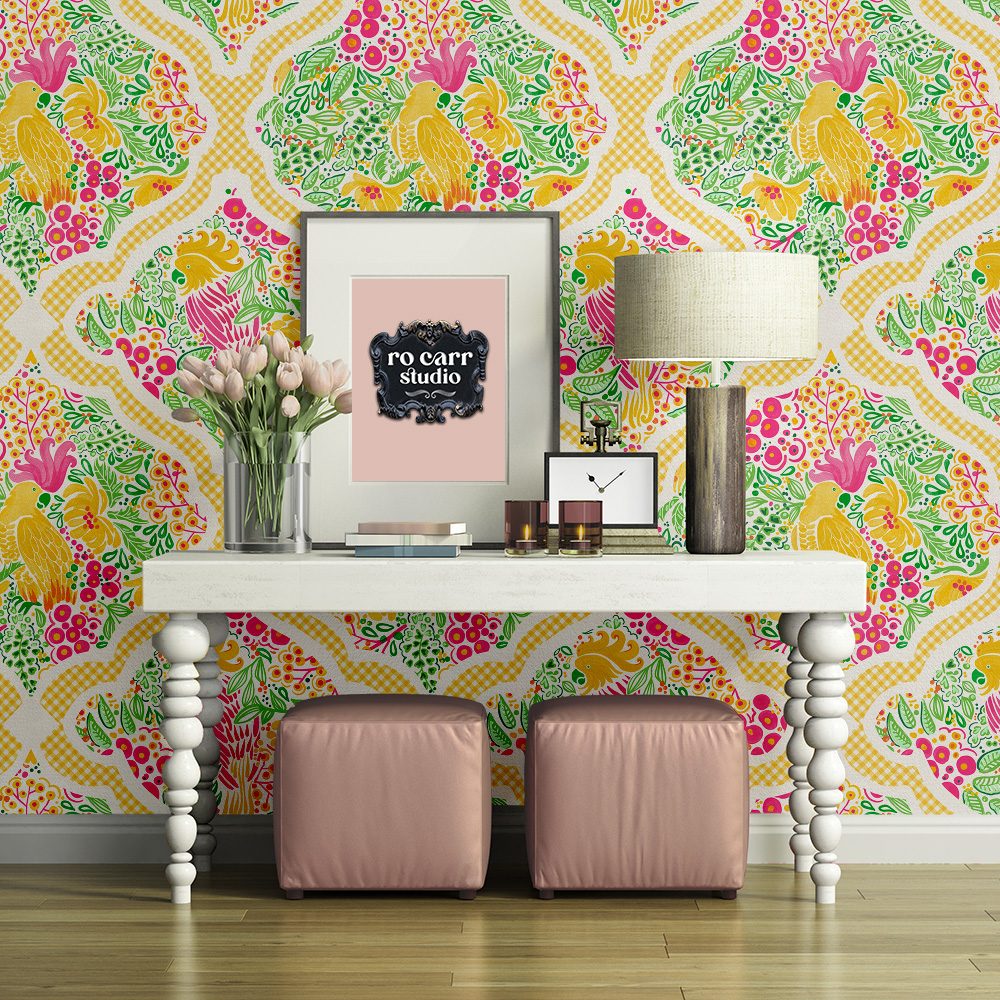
point(813, 590)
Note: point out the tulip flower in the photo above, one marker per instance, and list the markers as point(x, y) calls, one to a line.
point(289, 376)
point(344, 402)
point(193, 364)
point(251, 361)
point(234, 386)
point(308, 363)
point(184, 414)
point(296, 356)
point(290, 406)
point(279, 346)
point(214, 380)
point(226, 360)
point(190, 384)
point(318, 380)
point(340, 372)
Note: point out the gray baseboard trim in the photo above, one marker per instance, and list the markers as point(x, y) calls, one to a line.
point(249, 839)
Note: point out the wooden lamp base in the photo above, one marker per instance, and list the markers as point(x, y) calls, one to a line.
point(716, 470)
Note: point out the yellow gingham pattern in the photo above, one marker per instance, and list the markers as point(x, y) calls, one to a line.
point(477, 678)
point(867, 760)
point(77, 677)
point(10, 702)
point(508, 776)
point(66, 760)
point(771, 774)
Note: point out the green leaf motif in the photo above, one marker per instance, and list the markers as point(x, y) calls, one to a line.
point(97, 735)
point(906, 316)
point(988, 786)
point(497, 735)
point(989, 761)
point(203, 10)
point(896, 732)
point(128, 723)
point(104, 711)
point(592, 360)
point(96, 334)
point(896, 333)
point(905, 715)
point(506, 715)
point(594, 385)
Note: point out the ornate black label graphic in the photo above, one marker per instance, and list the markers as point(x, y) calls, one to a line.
point(430, 368)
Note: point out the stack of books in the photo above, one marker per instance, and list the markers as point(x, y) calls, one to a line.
point(625, 542)
point(634, 542)
point(408, 539)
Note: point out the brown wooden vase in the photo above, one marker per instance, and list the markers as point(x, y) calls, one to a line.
point(716, 470)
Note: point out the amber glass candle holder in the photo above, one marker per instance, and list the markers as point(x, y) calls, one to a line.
point(526, 527)
point(580, 527)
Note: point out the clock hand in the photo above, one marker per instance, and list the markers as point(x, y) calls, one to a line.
point(606, 485)
point(600, 489)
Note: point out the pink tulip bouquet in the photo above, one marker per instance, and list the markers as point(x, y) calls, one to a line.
point(266, 399)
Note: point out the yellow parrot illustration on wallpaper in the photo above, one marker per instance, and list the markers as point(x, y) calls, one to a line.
point(824, 134)
point(27, 536)
point(423, 134)
point(988, 263)
point(28, 137)
point(822, 525)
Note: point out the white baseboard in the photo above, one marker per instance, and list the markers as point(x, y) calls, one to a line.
point(248, 839)
point(889, 840)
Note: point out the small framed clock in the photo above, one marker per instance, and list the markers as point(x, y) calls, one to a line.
point(625, 482)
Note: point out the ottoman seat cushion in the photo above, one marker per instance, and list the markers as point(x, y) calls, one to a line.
point(382, 792)
point(636, 792)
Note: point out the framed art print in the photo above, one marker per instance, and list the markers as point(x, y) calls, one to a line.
point(626, 482)
point(449, 322)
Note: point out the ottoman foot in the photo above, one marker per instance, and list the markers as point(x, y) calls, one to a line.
point(466, 893)
point(546, 894)
point(726, 893)
point(294, 893)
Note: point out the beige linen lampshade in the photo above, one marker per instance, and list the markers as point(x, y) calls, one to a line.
point(716, 306)
point(698, 306)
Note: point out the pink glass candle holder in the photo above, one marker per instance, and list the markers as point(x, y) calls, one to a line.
point(580, 527)
point(526, 527)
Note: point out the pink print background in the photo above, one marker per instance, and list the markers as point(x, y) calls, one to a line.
point(470, 449)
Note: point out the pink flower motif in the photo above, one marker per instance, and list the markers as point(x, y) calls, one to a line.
point(848, 470)
point(993, 313)
point(849, 69)
point(45, 469)
point(448, 70)
point(43, 66)
point(993, 712)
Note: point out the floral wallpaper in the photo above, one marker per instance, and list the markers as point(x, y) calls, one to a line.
point(153, 163)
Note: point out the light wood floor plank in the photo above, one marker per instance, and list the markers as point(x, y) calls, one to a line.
point(900, 932)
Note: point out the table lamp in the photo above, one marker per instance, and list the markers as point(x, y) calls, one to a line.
point(714, 307)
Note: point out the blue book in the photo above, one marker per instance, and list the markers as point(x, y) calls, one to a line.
point(406, 551)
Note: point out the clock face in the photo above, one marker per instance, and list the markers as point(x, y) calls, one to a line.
point(625, 483)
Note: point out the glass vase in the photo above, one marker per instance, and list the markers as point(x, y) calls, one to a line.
point(266, 490)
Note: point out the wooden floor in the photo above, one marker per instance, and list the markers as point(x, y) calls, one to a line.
point(903, 932)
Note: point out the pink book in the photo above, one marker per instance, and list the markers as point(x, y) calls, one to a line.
point(411, 527)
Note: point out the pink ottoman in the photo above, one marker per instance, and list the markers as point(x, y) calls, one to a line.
point(382, 792)
point(636, 792)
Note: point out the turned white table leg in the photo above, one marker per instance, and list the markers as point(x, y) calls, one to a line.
point(207, 752)
point(799, 752)
point(182, 642)
point(826, 640)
